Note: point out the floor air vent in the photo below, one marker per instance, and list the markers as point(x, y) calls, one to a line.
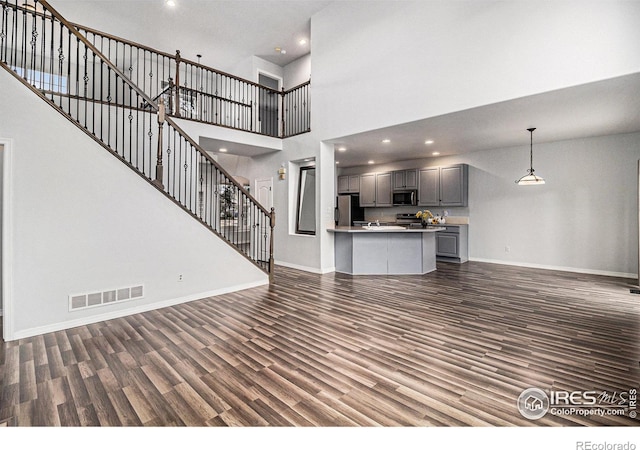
point(82, 301)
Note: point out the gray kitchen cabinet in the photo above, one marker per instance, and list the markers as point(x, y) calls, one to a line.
point(454, 185)
point(443, 186)
point(384, 196)
point(429, 186)
point(405, 179)
point(375, 190)
point(452, 243)
point(368, 190)
point(349, 184)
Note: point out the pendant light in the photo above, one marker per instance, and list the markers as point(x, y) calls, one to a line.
point(530, 179)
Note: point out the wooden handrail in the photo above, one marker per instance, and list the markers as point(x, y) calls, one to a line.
point(153, 104)
point(172, 56)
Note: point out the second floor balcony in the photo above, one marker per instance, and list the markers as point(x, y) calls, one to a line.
point(189, 89)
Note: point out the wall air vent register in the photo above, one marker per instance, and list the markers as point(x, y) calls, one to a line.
point(93, 299)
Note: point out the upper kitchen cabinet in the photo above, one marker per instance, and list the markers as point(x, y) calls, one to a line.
point(405, 179)
point(454, 185)
point(384, 196)
point(375, 190)
point(429, 187)
point(368, 190)
point(443, 186)
point(349, 184)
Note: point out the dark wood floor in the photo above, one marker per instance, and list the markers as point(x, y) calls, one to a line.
point(455, 347)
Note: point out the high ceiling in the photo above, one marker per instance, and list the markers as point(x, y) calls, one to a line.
point(227, 32)
point(224, 32)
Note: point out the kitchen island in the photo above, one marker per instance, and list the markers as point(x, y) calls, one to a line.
point(385, 250)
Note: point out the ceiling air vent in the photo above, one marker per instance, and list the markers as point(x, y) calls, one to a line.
point(111, 296)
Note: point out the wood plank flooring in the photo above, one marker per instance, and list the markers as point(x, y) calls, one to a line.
point(452, 348)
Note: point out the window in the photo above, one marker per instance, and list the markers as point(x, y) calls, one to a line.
point(306, 214)
point(42, 80)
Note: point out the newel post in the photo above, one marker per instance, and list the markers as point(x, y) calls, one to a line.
point(159, 168)
point(272, 221)
point(177, 91)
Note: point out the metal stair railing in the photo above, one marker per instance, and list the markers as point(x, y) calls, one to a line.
point(57, 62)
point(205, 94)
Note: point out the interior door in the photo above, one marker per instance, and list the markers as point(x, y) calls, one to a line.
point(268, 108)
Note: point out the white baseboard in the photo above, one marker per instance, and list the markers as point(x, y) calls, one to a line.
point(130, 311)
point(305, 268)
point(559, 268)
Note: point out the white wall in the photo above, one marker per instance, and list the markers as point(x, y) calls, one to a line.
point(376, 64)
point(583, 219)
point(82, 222)
point(392, 62)
point(297, 72)
point(294, 250)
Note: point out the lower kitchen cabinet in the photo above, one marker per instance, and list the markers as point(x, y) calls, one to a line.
point(452, 243)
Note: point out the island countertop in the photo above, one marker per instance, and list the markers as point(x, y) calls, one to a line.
point(385, 250)
point(385, 229)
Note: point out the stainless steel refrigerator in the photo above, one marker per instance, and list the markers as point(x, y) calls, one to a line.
point(348, 210)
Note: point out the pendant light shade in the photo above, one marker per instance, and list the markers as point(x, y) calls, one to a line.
point(530, 179)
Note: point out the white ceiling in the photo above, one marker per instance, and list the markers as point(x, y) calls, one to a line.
point(596, 109)
point(224, 32)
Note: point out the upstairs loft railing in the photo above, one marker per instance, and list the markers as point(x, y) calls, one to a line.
point(196, 92)
point(56, 61)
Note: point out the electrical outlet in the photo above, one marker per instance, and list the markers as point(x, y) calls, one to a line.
point(180, 278)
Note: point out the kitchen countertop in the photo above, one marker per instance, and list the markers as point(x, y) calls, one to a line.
point(384, 229)
point(385, 250)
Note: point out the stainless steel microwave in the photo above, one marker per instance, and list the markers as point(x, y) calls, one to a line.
point(409, 198)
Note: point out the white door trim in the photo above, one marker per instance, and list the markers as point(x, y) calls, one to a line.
point(7, 239)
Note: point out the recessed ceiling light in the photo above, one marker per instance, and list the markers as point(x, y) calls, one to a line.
point(280, 50)
point(223, 150)
point(386, 141)
point(337, 162)
point(170, 3)
point(342, 149)
point(371, 161)
point(302, 41)
point(435, 153)
point(429, 142)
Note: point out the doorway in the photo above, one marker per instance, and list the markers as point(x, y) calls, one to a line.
point(264, 192)
point(269, 104)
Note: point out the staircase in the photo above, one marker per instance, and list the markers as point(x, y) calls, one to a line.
point(64, 67)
